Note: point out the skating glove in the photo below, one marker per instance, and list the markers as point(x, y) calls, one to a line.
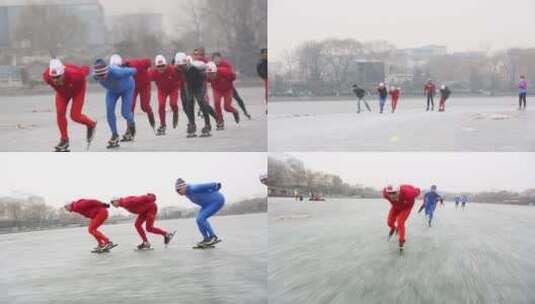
point(106, 205)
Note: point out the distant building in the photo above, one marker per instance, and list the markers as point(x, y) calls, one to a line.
point(121, 26)
point(367, 72)
point(89, 12)
point(414, 57)
point(469, 55)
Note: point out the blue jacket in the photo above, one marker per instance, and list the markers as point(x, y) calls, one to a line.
point(431, 199)
point(119, 79)
point(204, 194)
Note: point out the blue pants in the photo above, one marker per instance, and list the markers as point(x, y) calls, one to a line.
point(382, 101)
point(206, 212)
point(126, 108)
point(429, 212)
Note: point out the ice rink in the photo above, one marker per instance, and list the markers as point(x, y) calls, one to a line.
point(336, 252)
point(469, 124)
point(28, 123)
point(56, 266)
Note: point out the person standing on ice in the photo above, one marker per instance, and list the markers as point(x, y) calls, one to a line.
point(119, 83)
point(262, 71)
point(220, 61)
point(457, 201)
point(523, 92)
point(97, 211)
point(168, 82)
point(222, 79)
point(383, 93)
point(209, 197)
point(143, 85)
point(445, 93)
point(430, 90)
point(402, 200)
point(69, 82)
point(360, 93)
point(464, 200)
point(146, 209)
point(394, 95)
point(431, 199)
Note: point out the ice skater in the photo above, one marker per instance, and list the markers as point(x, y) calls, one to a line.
point(394, 95)
point(402, 200)
point(457, 201)
point(119, 83)
point(382, 92)
point(69, 82)
point(262, 70)
point(445, 94)
point(522, 93)
point(222, 79)
point(431, 199)
point(97, 211)
point(464, 200)
point(169, 83)
point(209, 197)
point(361, 97)
point(430, 90)
point(146, 209)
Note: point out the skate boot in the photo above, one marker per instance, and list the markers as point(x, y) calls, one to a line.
point(192, 131)
point(113, 143)
point(247, 115)
point(391, 233)
point(236, 117)
point(401, 243)
point(91, 133)
point(168, 237)
point(205, 132)
point(220, 126)
point(98, 249)
point(130, 133)
point(161, 131)
point(213, 240)
point(144, 246)
point(175, 119)
point(63, 146)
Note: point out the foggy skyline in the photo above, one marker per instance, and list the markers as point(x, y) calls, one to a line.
point(461, 25)
point(472, 172)
point(61, 178)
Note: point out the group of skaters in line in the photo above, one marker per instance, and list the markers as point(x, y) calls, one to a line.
point(402, 199)
point(206, 195)
point(185, 75)
point(430, 92)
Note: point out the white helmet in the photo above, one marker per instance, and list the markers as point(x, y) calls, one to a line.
point(56, 68)
point(211, 67)
point(115, 59)
point(382, 84)
point(392, 88)
point(443, 87)
point(180, 58)
point(160, 60)
point(392, 188)
point(263, 178)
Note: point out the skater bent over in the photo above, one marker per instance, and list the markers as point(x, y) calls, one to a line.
point(402, 200)
point(523, 91)
point(119, 83)
point(360, 93)
point(210, 199)
point(69, 82)
point(169, 82)
point(430, 90)
point(383, 93)
point(394, 95)
point(98, 213)
point(445, 93)
point(222, 62)
point(431, 200)
point(222, 79)
point(146, 209)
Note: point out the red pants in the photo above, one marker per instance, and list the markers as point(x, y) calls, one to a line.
point(76, 112)
point(96, 222)
point(162, 98)
point(149, 216)
point(394, 103)
point(227, 96)
point(399, 216)
point(442, 106)
point(144, 98)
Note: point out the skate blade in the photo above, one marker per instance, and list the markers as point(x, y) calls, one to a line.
point(204, 247)
point(206, 135)
point(144, 249)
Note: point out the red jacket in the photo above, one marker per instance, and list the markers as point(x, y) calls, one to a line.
point(142, 66)
point(395, 94)
point(87, 207)
point(224, 80)
point(168, 81)
point(74, 80)
point(138, 204)
point(430, 88)
point(407, 196)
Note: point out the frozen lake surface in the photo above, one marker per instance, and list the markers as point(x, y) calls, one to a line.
point(56, 266)
point(336, 252)
point(28, 123)
point(469, 124)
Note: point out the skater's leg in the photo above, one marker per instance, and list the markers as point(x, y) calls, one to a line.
point(96, 222)
point(76, 110)
point(402, 217)
point(173, 100)
point(162, 96)
point(239, 100)
point(134, 99)
point(61, 109)
point(111, 101)
point(367, 105)
point(358, 105)
point(205, 108)
point(144, 99)
point(188, 104)
point(139, 226)
point(207, 212)
point(391, 219)
point(227, 96)
point(218, 96)
point(126, 106)
point(151, 217)
point(201, 223)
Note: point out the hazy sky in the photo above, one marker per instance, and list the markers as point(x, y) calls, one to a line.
point(450, 171)
point(62, 177)
point(459, 24)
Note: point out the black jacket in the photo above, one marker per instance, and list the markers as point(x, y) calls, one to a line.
point(262, 68)
point(359, 92)
point(445, 93)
